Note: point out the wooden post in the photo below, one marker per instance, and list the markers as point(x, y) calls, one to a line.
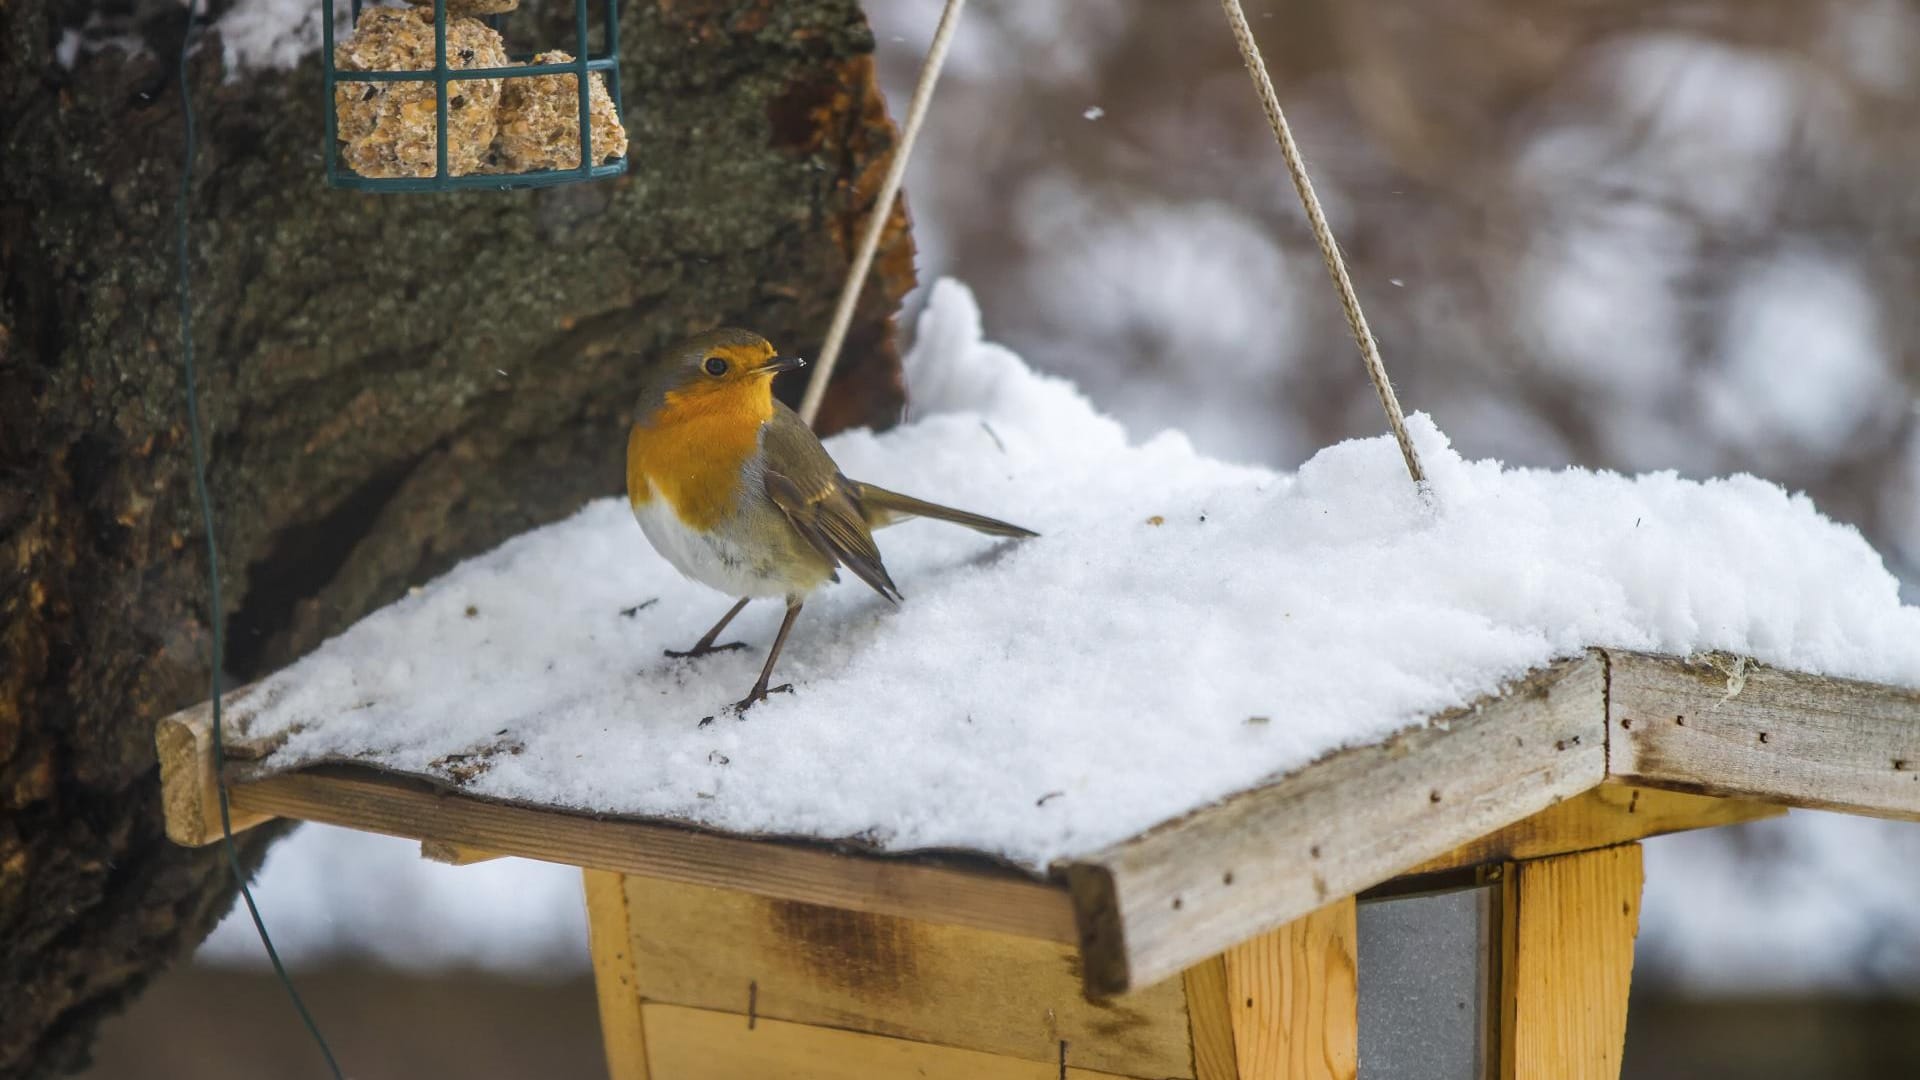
point(1283, 1005)
point(614, 979)
point(1150, 907)
point(1567, 963)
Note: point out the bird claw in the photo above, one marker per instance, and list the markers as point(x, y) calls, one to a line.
point(699, 651)
point(759, 694)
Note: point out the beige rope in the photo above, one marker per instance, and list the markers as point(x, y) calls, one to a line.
point(882, 209)
point(1323, 235)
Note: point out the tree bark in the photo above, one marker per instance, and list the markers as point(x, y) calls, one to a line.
point(390, 383)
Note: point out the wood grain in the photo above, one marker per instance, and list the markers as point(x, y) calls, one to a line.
point(615, 979)
point(983, 898)
point(448, 853)
point(883, 974)
point(1573, 963)
point(1210, 1020)
point(1505, 976)
point(1716, 726)
point(1609, 814)
point(1152, 906)
point(1476, 786)
point(699, 1044)
point(1294, 998)
point(189, 788)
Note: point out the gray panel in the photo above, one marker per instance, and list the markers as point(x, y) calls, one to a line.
point(1424, 964)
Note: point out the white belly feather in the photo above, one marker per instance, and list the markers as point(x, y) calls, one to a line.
point(703, 557)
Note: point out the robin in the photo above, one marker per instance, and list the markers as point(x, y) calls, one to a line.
point(734, 490)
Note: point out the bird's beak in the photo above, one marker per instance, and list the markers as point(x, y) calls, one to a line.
point(776, 365)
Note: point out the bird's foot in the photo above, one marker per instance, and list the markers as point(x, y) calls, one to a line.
point(757, 695)
point(703, 649)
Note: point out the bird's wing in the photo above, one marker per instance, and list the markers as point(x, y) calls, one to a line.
point(820, 504)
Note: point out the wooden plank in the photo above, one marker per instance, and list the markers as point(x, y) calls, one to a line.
point(952, 985)
point(451, 854)
point(1210, 1020)
point(189, 790)
point(1295, 1000)
point(1505, 976)
point(1573, 963)
point(985, 898)
point(1608, 815)
point(1721, 726)
point(1154, 905)
point(700, 1044)
point(615, 978)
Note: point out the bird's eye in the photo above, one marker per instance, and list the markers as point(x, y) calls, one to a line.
point(716, 366)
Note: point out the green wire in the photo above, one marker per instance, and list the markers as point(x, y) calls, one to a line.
point(181, 220)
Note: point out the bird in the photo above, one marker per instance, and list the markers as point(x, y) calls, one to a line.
point(733, 489)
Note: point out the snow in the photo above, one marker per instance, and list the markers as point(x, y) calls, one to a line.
point(1810, 902)
point(275, 34)
point(1875, 41)
point(1706, 112)
point(1905, 506)
point(1805, 366)
point(1218, 309)
point(328, 893)
point(1041, 699)
point(255, 35)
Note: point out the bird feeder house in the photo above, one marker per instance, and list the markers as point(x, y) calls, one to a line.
point(1452, 898)
point(1457, 901)
point(427, 98)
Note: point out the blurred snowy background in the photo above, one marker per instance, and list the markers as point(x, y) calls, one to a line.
point(1678, 235)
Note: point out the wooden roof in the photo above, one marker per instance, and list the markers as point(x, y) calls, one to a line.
point(1596, 750)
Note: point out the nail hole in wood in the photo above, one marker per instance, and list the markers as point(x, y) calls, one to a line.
point(1433, 796)
point(1226, 878)
point(1763, 736)
point(1176, 903)
point(1681, 720)
point(1625, 724)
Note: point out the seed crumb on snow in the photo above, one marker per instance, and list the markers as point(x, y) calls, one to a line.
point(1117, 667)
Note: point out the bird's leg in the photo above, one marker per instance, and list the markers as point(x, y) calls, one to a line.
point(706, 644)
point(760, 691)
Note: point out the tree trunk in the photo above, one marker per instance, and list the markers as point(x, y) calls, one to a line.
point(390, 383)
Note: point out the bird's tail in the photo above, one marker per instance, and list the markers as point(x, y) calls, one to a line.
point(883, 507)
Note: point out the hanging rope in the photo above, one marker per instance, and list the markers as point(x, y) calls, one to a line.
point(882, 209)
point(1323, 235)
point(182, 220)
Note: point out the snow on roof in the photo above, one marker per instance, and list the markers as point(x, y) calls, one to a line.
point(1183, 629)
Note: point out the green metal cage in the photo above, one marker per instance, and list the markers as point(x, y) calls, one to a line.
point(440, 75)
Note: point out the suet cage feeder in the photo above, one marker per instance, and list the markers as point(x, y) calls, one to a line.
point(446, 81)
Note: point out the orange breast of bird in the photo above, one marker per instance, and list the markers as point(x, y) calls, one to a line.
point(691, 451)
